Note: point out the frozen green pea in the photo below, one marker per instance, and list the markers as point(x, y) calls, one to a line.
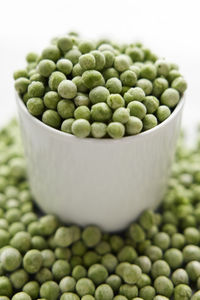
point(136, 233)
point(192, 235)
point(90, 258)
point(79, 248)
point(196, 296)
point(49, 290)
point(21, 296)
point(135, 53)
point(131, 274)
point(91, 236)
point(109, 58)
point(85, 286)
point(98, 129)
point(115, 101)
point(35, 106)
point(134, 94)
point(49, 224)
point(162, 240)
point(122, 62)
point(154, 253)
point(87, 61)
point(180, 276)
point(193, 270)
point(97, 273)
point(5, 286)
point(114, 281)
point(121, 267)
point(21, 85)
point(110, 73)
point(149, 121)
point(32, 261)
point(163, 67)
point(36, 89)
point(4, 225)
point(164, 286)
point(63, 237)
point(116, 130)
point(103, 247)
point(43, 275)
point(37, 77)
point(51, 118)
point(162, 113)
point(48, 257)
point(99, 59)
point(32, 289)
point(20, 73)
point(121, 115)
point(62, 253)
point(128, 290)
point(38, 242)
point(65, 43)
point(178, 240)
point(147, 292)
point(66, 125)
point(46, 67)
point(160, 84)
point(67, 89)
point(147, 219)
point(101, 112)
point(66, 109)
point(67, 284)
point(19, 278)
point(151, 103)
point(109, 261)
point(114, 85)
point(174, 257)
point(81, 128)
point(137, 109)
point(104, 292)
point(55, 79)
point(51, 52)
point(160, 267)
point(16, 227)
point(144, 263)
point(81, 99)
point(92, 78)
point(133, 126)
point(146, 85)
point(128, 78)
point(69, 296)
point(77, 70)
point(119, 297)
point(173, 74)
point(170, 97)
point(179, 84)
point(98, 94)
point(79, 272)
point(60, 269)
point(64, 65)
point(21, 241)
point(11, 259)
point(73, 55)
point(182, 291)
point(82, 112)
point(148, 71)
point(86, 46)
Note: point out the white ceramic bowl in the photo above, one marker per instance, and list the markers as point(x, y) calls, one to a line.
point(105, 182)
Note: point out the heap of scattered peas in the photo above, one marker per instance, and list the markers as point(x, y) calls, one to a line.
point(99, 89)
point(156, 258)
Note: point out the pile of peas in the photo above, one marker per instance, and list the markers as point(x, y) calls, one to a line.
point(99, 89)
point(156, 258)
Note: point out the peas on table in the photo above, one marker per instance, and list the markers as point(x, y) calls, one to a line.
point(113, 82)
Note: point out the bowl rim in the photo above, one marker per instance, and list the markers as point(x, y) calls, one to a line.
point(59, 133)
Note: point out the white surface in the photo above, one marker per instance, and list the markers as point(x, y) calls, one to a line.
point(104, 182)
point(170, 27)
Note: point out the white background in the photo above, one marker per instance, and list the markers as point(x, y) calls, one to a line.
point(170, 27)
